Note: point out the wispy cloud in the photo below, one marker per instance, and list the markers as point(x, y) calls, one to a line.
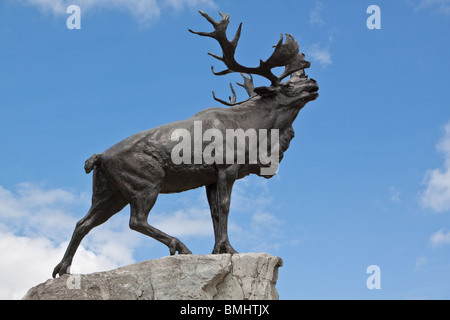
point(315, 15)
point(144, 11)
point(184, 223)
point(395, 194)
point(440, 238)
point(437, 193)
point(438, 6)
point(182, 4)
point(420, 263)
point(319, 54)
point(254, 222)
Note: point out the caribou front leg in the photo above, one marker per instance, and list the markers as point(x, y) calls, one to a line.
point(219, 196)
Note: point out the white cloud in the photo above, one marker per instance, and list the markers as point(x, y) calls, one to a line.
point(28, 261)
point(35, 224)
point(315, 17)
point(36, 211)
point(439, 6)
point(319, 54)
point(440, 238)
point(143, 10)
point(437, 193)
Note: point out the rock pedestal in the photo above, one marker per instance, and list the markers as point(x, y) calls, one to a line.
point(248, 276)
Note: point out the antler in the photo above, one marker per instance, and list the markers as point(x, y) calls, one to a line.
point(247, 85)
point(285, 54)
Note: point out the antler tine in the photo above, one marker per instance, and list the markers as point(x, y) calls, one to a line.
point(235, 40)
point(208, 17)
point(216, 56)
point(248, 85)
point(221, 73)
point(230, 104)
point(295, 65)
point(232, 99)
point(219, 26)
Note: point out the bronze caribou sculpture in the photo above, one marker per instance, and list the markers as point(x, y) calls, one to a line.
point(137, 169)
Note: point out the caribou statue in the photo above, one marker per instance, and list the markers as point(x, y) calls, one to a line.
point(164, 160)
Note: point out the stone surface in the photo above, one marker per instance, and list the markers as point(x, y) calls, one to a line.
point(249, 276)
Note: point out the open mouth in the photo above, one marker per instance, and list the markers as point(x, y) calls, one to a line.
point(311, 91)
point(314, 95)
point(310, 96)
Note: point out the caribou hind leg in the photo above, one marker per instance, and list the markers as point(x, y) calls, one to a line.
point(106, 201)
point(140, 205)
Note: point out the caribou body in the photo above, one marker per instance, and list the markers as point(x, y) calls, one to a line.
point(137, 169)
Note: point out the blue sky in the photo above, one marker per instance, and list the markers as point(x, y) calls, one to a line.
point(366, 181)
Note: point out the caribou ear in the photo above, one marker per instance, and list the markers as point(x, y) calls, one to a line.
point(266, 91)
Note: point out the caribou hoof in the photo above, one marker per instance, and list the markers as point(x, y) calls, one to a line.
point(224, 247)
point(178, 246)
point(60, 269)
